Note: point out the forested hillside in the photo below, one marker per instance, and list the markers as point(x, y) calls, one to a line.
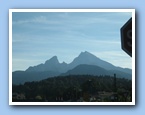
point(74, 88)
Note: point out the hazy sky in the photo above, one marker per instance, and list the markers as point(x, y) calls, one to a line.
point(36, 37)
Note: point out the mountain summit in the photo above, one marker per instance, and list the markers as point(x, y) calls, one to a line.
point(50, 65)
point(53, 60)
point(90, 59)
point(85, 53)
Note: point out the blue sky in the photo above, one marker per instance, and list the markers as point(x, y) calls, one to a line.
point(36, 37)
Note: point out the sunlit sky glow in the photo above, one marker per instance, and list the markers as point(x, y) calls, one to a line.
point(36, 37)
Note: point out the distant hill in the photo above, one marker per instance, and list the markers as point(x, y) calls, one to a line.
point(52, 68)
point(20, 77)
point(84, 69)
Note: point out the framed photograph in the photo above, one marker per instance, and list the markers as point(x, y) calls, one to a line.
point(72, 57)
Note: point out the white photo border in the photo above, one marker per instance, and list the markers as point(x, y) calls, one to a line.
point(72, 10)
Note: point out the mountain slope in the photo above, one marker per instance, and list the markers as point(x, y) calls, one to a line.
point(52, 68)
point(83, 58)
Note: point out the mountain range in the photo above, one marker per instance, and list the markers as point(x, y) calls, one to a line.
point(85, 63)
